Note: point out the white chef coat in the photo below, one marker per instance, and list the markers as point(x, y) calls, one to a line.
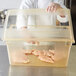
point(22, 20)
point(39, 3)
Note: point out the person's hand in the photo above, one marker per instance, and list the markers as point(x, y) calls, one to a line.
point(53, 7)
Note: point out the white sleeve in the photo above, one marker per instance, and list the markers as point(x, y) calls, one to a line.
point(27, 4)
point(61, 2)
point(21, 20)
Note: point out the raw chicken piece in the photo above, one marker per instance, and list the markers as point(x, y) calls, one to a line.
point(46, 56)
point(44, 52)
point(19, 57)
point(38, 52)
point(45, 59)
point(52, 52)
point(28, 52)
point(48, 53)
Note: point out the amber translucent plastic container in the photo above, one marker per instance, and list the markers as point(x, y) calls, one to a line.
point(37, 29)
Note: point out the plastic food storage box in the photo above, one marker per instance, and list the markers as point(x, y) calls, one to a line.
point(35, 37)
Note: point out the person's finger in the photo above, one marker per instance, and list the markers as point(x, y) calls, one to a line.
point(55, 9)
point(48, 8)
point(52, 9)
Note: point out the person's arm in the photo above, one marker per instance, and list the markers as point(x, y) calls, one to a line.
point(60, 2)
point(22, 19)
point(56, 4)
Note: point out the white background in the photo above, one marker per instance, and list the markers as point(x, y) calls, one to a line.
point(8, 4)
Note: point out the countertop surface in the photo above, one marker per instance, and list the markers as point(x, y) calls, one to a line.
point(7, 70)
